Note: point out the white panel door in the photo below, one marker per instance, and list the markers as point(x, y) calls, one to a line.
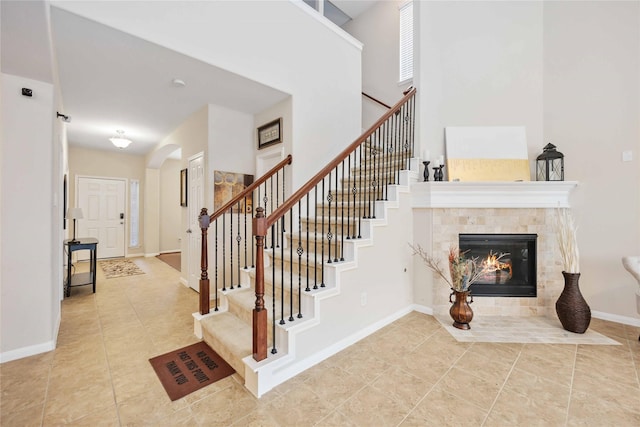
point(102, 201)
point(195, 202)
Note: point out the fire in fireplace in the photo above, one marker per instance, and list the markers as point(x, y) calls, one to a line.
point(513, 274)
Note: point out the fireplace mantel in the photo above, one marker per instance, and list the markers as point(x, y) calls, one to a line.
point(529, 194)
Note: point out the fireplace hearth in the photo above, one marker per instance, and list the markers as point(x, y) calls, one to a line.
point(513, 274)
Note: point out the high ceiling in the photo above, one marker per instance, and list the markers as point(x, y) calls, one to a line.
point(110, 80)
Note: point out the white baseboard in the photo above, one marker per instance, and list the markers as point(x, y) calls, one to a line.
point(23, 352)
point(171, 252)
point(151, 254)
point(616, 318)
point(184, 281)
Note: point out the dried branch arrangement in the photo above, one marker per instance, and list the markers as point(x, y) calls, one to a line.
point(566, 230)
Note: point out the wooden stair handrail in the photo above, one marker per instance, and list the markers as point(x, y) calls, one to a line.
point(250, 188)
point(376, 100)
point(298, 195)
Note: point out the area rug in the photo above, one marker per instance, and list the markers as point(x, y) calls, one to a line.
point(190, 368)
point(171, 258)
point(119, 268)
point(526, 329)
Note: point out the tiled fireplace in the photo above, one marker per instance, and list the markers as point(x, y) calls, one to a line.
point(527, 208)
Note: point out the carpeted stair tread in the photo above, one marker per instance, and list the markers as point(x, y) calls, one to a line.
point(230, 337)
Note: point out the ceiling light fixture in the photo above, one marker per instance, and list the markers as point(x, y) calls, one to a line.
point(120, 141)
point(178, 82)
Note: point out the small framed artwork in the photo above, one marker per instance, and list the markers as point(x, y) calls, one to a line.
point(183, 187)
point(270, 133)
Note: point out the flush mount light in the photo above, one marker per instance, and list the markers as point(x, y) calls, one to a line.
point(120, 141)
point(178, 83)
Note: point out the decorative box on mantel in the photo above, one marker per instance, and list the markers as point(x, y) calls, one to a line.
point(444, 210)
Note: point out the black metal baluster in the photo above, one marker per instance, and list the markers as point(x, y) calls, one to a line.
point(291, 237)
point(359, 193)
point(216, 262)
point(307, 227)
point(281, 274)
point(372, 183)
point(300, 251)
point(335, 208)
point(315, 238)
point(231, 245)
point(224, 253)
point(329, 234)
point(246, 212)
point(238, 240)
point(387, 169)
point(348, 196)
point(273, 291)
point(322, 250)
point(342, 215)
point(413, 122)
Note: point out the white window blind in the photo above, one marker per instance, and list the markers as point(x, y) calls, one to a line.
point(134, 220)
point(406, 41)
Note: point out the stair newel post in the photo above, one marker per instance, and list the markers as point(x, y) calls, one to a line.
point(204, 220)
point(259, 312)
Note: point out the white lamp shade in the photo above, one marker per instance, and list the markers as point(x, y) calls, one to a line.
point(120, 141)
point(74, 213)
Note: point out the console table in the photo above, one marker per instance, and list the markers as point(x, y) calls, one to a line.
point(81, 279)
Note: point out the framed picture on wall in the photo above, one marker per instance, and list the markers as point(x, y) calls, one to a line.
point(183, 187)
point(270, 133)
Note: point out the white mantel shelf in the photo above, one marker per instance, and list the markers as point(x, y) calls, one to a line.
point(526, 194)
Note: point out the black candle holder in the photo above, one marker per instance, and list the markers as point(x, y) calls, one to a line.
point(426, 170)
point(437, 173)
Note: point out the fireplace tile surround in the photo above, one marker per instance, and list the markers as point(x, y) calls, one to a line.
point(452, 208)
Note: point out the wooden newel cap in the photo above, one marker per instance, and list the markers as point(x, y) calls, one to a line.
point(204, 218)
point(260, 223)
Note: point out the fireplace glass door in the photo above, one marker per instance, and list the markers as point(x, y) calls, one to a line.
point(512, 275)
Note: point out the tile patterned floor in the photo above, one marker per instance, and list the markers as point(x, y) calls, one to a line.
point(410, 373)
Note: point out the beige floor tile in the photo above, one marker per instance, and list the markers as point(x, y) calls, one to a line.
point(65, 405)
point(443, 409)
point(460, 382)
point(513, 409)
point(105, 418)
point(402, 386)
point(370, 406)
point(586, 409)
point(148, 408)
point(411, 373)
point(333, 385)
point(223, 407)
point(299, 407)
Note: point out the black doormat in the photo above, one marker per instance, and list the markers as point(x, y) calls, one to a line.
point(190, 368)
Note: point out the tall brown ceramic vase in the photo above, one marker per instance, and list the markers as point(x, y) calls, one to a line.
point(572, 309)
point(461, 311)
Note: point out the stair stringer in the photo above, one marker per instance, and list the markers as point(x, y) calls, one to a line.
point(305, 344)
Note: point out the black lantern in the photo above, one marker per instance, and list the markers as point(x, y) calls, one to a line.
point(550, 164)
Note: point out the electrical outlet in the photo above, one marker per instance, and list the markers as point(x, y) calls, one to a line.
point(627, 156)
point(363, 299)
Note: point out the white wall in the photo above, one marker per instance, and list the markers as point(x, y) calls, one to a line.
point(379, 30)
point(30, 290)
point(569, 72)
point(231, 144)
point(281, 44)
point(170, 210)
point(592, 113)
point(192, 137)
point(480, 64)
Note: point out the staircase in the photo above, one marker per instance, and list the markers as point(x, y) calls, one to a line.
point(334, 267)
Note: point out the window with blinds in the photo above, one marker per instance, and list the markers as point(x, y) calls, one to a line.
point(406, 42)
point(134, 212)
